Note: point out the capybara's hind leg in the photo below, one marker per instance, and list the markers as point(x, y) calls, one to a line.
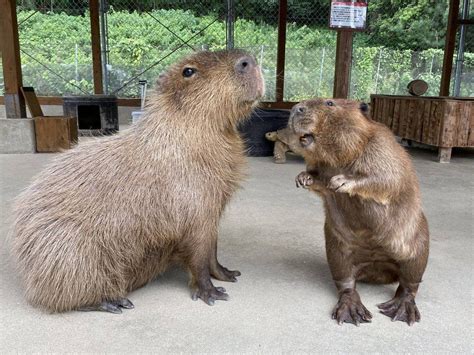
point(218, 271)
point(402, 306)
point(114, 306)
point(198, 262)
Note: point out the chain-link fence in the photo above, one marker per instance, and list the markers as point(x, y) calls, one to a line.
point(310, 51)
point(55, 45)
point(462, 80)
point(141, 38)
point(402, 43)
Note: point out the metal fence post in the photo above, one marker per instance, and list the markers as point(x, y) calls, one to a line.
point(230, 24)
point(104, 44)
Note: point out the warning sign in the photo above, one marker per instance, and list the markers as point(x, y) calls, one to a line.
point(348, 15)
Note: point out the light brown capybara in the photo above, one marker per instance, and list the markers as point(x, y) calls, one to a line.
point(110, 215)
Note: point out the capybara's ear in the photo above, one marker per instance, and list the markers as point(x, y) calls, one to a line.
point(364, 108)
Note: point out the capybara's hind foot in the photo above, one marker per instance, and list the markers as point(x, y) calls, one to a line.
point(402, 308)
point(221, 273)
point(350, 309)
point(210, 295)
point(114, 306)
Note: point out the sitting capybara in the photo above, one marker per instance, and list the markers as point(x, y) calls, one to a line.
point(107, 217)
point(375, 229)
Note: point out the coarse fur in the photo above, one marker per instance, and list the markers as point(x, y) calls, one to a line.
point(285, 141)
point(375, 229)
point(110, 215)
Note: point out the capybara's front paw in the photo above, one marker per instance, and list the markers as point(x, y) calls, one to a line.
point(304, 180)
point(402, 308)
point(210, 294)
point(221, 273)
point(350, 309)
point(341, 183)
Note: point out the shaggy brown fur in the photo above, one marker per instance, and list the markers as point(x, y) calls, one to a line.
point(110, 215)
point(285, 141)
point(375, 228)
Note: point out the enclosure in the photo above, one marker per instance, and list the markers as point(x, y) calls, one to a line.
point(62, 59)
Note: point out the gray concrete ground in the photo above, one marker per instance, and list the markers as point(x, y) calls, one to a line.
point(272, 233)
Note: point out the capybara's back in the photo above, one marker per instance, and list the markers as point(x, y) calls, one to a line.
point(108, 216)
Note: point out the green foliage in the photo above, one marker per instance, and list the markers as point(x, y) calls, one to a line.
point(383, 61)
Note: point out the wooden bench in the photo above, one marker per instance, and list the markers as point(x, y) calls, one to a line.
point(444, 122)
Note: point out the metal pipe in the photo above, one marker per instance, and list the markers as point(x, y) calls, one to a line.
point(461, 46)
point(230, 24)
point(103, 44)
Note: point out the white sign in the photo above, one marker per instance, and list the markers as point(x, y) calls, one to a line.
point(347, 14)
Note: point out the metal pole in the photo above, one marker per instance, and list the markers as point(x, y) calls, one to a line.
point(230, 24)
point(103, 42)
point(462, 43)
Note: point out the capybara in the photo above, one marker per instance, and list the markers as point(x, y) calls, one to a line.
point(110, 215)
point(375, 229)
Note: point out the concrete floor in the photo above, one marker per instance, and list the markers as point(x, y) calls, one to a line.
point(272, 233)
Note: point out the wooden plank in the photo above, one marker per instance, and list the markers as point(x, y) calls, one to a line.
point(280, 68)
point(434, 128)
point(463, 124)
point(402, 118)
point(449, 124)
point(95, 44)
point(419, 120)
point(449, 44)
point(342, 70)
point(470, 113)
point(426, 122)
point(11, 61)
point(31, 101)
point(410, 131)
point(396, 116)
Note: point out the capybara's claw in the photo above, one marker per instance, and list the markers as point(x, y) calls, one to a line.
point(114, 306)
point(221, 273)
point(403, 309)
point(211, 295)
point(304, 179)
point(350, 309)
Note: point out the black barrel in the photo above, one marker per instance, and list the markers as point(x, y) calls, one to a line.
point(96, 114)
point(253, 130)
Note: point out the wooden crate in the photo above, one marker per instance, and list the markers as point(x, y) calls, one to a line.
point(53, 133)
point(444, 122)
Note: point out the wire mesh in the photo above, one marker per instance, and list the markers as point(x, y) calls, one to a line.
point(256, 30)
point(310, 51)
point(55, 46)
point(145, 37)
point(403, 42)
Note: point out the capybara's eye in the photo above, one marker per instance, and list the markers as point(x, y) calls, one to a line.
point(329, 103)
point(188, 72)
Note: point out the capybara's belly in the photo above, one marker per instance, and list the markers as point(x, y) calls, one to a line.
point(373, 264)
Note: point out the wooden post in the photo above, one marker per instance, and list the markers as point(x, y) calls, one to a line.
point(96, 50)
point(14, 101)
point(449, 45)
point(280, 69)
point(342, 73)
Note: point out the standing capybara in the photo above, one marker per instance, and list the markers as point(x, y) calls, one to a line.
point(107, 217)
point(375, 229)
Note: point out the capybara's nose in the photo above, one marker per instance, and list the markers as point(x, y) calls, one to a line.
point(244, 64)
